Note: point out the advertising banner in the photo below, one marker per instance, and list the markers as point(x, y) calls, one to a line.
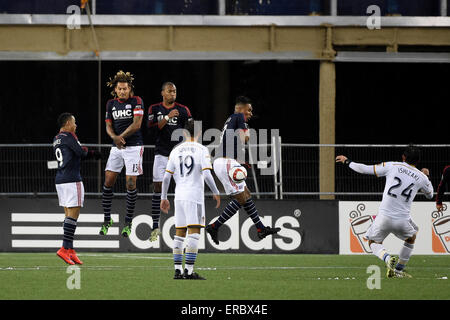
point(356, 217)
point(35, 224)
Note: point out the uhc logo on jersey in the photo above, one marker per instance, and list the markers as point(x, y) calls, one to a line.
point(122, 114)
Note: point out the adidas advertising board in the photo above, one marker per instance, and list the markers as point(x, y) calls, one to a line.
point(35, 224)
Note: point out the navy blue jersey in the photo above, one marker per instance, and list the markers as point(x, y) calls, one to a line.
point(68, 153)
point(229, 138)
point(121, 114)
point(156, 112)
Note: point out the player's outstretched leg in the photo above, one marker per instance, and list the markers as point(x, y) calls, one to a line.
point(263, 231)
point(190, 257)
point(229, 211)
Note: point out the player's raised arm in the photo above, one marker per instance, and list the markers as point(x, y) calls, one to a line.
point(361, 168)
point(427, 189)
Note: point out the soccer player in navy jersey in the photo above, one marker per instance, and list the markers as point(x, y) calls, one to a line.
point(445, 181)
point(230, 151)
point(123, 123)
point(69, 184)
point(164, 117)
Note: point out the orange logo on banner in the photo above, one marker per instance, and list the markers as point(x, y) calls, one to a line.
point(359, 224)
point(436, 244)
point(355, 246)
point(440, 231)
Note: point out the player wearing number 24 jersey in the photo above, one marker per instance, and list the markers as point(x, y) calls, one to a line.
point(403, 181)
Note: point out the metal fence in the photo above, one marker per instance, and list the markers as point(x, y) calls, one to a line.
point(23, 171)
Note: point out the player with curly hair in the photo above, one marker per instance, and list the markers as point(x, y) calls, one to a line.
point(123, 119)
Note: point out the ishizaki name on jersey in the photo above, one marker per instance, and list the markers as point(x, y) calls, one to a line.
point(121, 113)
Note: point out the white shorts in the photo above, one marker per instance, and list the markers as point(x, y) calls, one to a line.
point(189, 214)
point(70, 194)
point(383, 226)
point(221, 167)
point(131, 157)
point(159, 167)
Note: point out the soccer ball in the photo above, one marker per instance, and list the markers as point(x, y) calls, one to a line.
point(237, 174)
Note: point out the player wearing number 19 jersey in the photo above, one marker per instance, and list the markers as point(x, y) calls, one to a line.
point(190, 165)
point(403, 181)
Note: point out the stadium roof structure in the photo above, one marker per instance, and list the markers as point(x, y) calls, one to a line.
point(224, 37)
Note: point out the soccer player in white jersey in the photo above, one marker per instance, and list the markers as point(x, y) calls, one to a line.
point(190, 164)
point(403, 181)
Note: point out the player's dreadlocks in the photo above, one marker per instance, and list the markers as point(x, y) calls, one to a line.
point(121, 77)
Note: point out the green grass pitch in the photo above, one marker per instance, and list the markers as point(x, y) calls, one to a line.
point(229, 276)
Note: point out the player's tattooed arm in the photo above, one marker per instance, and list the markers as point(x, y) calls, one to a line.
point(118, 140)
point(132, 128)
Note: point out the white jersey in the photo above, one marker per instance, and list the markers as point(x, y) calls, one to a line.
point(403, 181)
point(187, 162)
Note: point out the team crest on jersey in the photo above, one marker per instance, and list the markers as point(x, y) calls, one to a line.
point(128, 106)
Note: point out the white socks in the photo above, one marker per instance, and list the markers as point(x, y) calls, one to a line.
point(404, 255)
point(191, 251)
point(178, 253)
point(380, 252)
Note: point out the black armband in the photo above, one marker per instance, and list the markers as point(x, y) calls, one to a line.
point(347, 161)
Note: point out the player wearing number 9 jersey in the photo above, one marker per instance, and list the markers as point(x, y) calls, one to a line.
point(403, 181)
point(69, 185)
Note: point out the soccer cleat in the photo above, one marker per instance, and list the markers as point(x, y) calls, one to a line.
point(192, 276)
point(391, 267)
point(105, 227)
point(178, 275)
point(64, 254)
point(262, 233)
point(401, 274)
point(214, 233)
point(154, 235)
point(126, 231)
point(74, 257)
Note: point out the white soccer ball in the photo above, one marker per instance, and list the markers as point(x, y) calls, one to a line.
point(237, 174)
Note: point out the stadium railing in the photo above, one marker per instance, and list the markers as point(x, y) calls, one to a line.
point(24, 171)
point(233, 7)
